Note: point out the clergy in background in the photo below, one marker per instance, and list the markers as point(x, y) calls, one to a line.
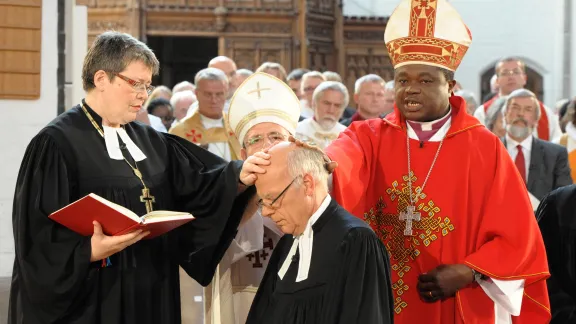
point(205, 127)
point(440, 190)
point(263, 111)
point(557, 222)
point(329, 100)
point(62, 277)
point(330, 267)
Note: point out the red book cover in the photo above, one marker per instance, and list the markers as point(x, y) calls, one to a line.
point(115, 219)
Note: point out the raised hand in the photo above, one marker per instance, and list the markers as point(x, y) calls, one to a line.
point(444, 281)
point(253, 166)
point(104, 246)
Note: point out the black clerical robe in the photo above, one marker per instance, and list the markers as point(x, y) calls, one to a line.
point(53, 279)
point(348, 281)
point(557, 220)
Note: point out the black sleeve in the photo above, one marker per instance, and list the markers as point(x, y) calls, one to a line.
point(207, 187)
point(52, 262)
point(562, 176)
point(363, 289)
point(561, 280)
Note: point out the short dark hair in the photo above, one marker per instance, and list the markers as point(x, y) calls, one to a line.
point(296, 74)
point(157, 103)
point(510, 59)
point(112, 52)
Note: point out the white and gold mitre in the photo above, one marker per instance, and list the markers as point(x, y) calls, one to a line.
point(427, 32)
point(263, 98)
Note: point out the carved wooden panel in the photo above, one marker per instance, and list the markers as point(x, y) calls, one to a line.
point(250, 53)
point(20, 48)
point(259, 27)
point(323, 7)
point(322, 57)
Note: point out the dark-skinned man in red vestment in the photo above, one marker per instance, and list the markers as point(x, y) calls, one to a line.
point(440, 190)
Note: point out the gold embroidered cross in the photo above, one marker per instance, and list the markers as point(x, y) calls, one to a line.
point(258, 90)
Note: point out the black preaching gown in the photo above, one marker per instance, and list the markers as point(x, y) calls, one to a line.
point(53, 280)
point(557, 220)
point(348, 281)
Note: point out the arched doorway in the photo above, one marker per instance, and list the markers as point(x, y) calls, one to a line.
point(535, 82)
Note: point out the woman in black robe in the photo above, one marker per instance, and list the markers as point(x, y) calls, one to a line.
point(54, 280)
point(557, 220)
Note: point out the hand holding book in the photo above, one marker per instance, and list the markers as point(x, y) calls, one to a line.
point(104, 246)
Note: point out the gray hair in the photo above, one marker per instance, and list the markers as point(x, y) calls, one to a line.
point(467, 95)
point(303, 160)
point(112, 52)
point(368, 78)
point(244, 72)
point(182, 95)
point(332, 76)
point(312, 74)
point(522, 93)
point(331, 85)
point(494, 111)
point(212, 74)
point(389, 85)
point(182, 86)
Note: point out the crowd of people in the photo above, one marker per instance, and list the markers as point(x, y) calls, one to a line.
point(405, 201)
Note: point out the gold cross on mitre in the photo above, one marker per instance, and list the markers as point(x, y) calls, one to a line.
point(258, 90)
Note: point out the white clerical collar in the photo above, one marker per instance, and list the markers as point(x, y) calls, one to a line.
point(440, 134)
point(113, 145)
point(526, 143)
point(211, 123)
point(304, 243)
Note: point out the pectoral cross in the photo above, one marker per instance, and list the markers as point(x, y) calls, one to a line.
point(258, 90)
point(147, 199)
point(409, 215)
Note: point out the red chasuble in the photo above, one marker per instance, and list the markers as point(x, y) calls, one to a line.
point(475, 210)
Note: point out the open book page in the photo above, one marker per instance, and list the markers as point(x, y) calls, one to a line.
point(165, 216)
point(117, 207)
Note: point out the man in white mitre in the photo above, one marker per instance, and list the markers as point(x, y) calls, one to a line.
point(263, 111)
point(329, 100)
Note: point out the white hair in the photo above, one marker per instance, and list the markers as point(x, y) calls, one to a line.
point(367, 78)
point(244, 72)
point(467, 95)
point(182, 95)
point(303, 161)
point(312, 74)
point(181, 86)
point(212, 74)
point(389, 85)
point(522, 93)
point(331, 85)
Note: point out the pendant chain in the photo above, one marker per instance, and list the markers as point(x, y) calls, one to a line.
point(409, 168)
point(146, 197)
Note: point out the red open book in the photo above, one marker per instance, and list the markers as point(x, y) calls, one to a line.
point(115, 219)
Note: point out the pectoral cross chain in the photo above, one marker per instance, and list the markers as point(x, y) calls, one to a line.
point(409, 215)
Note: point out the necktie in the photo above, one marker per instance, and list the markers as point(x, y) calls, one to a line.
point(521, 163)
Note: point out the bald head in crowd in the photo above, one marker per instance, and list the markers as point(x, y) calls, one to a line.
point(228, 66)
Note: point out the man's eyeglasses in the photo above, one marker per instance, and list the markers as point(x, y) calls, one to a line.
point(259, 140)
point(261, 202)
point(510, 72)
point(138, 86)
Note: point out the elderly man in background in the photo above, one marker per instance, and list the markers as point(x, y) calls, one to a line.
point(273, 68)
point(181, 101)
point(205, 127)
point(328, 103)
point(310, 82)
point(330, 267)
point(183, 86)
point(371, 98)
point(242, 75)
point(258, 120)
point(470, 98)
point(542, 165)
point(228, 66)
